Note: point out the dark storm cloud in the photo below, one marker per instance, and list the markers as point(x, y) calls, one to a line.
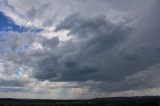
point(113, 47)
point(137, 81)
point(100, 50)
point(89, 58)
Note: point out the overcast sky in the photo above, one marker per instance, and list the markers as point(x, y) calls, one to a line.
point(65, 49)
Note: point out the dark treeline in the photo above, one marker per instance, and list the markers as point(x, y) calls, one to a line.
point(113, 101)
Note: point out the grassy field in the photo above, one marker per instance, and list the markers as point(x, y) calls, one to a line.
point(119, 101)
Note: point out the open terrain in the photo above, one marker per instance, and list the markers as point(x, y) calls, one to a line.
point(112, 101)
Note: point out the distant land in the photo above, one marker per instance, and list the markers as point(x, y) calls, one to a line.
point(108, 101)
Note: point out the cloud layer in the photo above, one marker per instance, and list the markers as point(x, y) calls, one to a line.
point(85, 49)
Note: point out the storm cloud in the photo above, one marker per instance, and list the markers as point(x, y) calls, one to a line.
point(88, 47)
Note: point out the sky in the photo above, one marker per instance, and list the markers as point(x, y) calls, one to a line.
point(79, 49)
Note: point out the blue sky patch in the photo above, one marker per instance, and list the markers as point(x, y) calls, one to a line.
point(6, 24)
